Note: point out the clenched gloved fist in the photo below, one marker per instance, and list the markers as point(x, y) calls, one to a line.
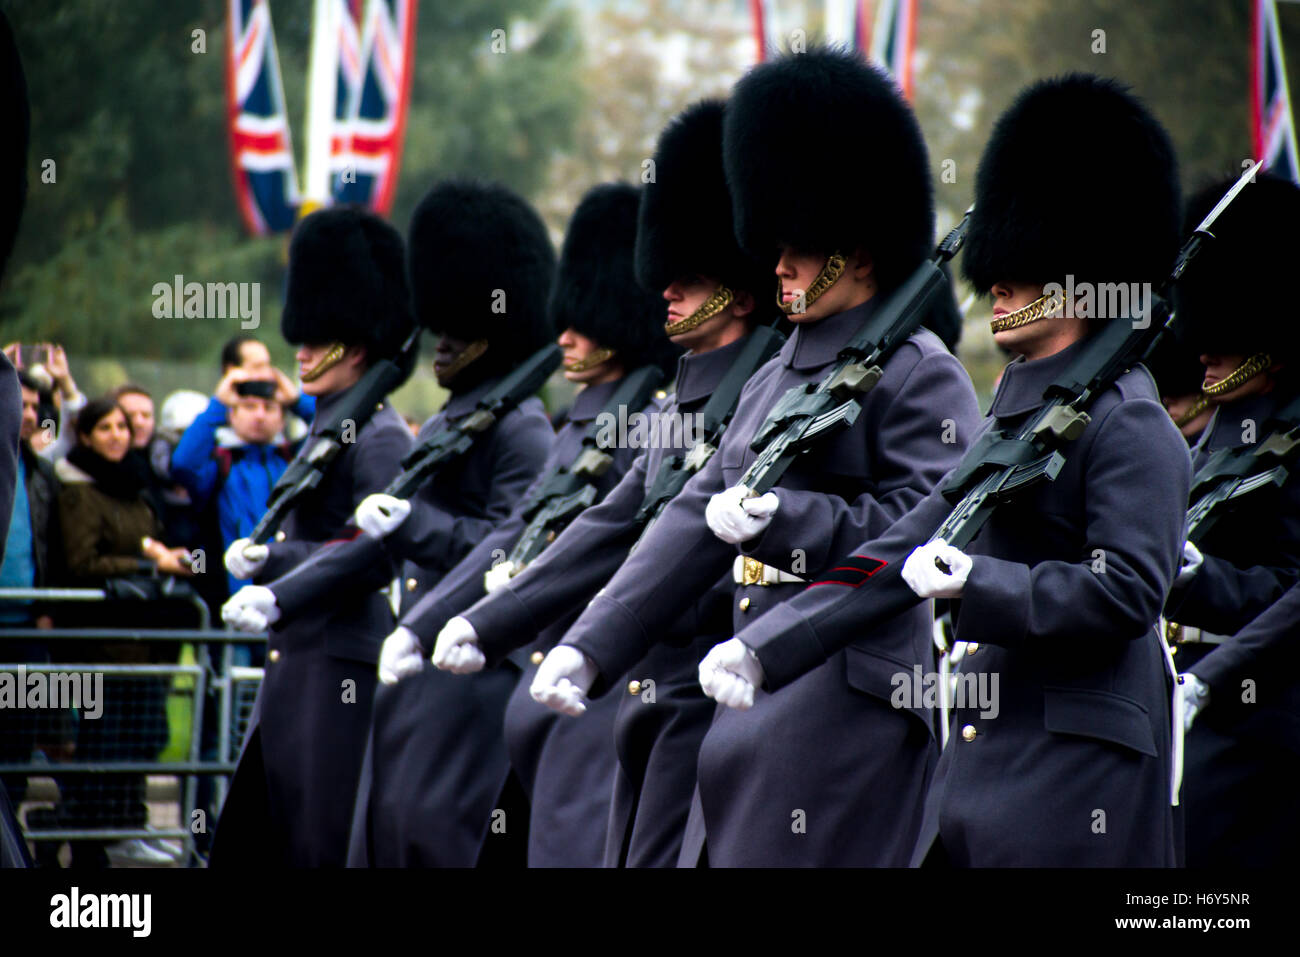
point(497, 575)
point(735, 519)
point(563, 679)
point(1192, 559)
point(377, 515)
point(400, 657)
point(729, 674)
point(1196, 695)
point(457, 648)
point(244, 559)
point(927, 579)
point(252, 608)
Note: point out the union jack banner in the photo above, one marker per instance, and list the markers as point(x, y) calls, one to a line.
point(261, 150)
point(763, 13)
point(375, 73)
point(1272, 124)
point(892, 38)
point(354, 145)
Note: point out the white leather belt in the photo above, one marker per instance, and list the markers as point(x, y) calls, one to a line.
point(750, 571)
point(1191, 635)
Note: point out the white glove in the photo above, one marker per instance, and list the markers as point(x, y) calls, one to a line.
point(244, 559)
point(377, 515)
point(252, 608)
point(563, 679)
point(729, 674)
point(1196, 695)
point(735, 519)
point(497, 575)
point(400, 657)
point(925, 578)
point(457, 648)
point(1192, 559)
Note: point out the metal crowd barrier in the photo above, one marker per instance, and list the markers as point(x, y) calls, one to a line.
point(235, 689)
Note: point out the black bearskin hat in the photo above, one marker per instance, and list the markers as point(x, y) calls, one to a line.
point(1232, 298)
point(481, 266)
point(823, 154)
point(1078, 178)
point(347, 283)
point(15, 118)
point(684, 228)
point(596, 292)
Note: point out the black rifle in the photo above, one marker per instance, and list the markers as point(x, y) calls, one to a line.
point(308, 467)
point(716, 415)
point(446, 444)
point(1229, 474)
point(565, 490)
point(807, 414)
point(1001, 464)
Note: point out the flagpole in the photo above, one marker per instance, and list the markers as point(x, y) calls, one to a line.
point(322, 88)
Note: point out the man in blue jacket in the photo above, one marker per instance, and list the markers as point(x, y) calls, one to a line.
point(233, 454)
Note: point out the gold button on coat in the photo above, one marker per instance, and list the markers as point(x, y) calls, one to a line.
point(634, 687)
point(536, 657)
point(972, 647)
point(968, 733)
point(274, 654)
point(411, 584)
point(744, 603)
point(279, 536)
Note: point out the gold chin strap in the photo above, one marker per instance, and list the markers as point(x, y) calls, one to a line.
point(831, 272)
point(464, 358)
point(327, 362)
point(720, 299)
point(1044, 307)
point(1196, 408)
point(593, 360)
point(1240, 375)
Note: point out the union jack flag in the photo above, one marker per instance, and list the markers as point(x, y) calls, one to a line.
point(1272, 123)
point(376, 75)
point(261, 149)
point(370, 56)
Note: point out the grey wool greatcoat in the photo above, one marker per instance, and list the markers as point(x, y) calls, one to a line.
point(290, 799)
point(1243, 750)
point(1066, 761)
point(405, 814)
point(474, 742)
point(657, 730)
point(789, 783)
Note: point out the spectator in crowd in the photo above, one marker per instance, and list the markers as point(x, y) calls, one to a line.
point(252, 355)
point(137, 402)
point(30, 550)
point(58, 391)
point(109, 532)
point(234, 452)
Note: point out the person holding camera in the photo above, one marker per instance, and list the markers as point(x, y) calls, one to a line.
point(232, 455)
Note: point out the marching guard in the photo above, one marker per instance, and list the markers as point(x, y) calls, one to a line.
point(714, 296)
point(290, 799)
point(830, 185)
point(1070, 761)
point(610, 329)
point(1241, 749)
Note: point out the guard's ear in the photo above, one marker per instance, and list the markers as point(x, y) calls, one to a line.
point(862, 264)
point(743, 304)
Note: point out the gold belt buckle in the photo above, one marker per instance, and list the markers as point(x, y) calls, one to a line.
point(1173, 632)
point(751, 572)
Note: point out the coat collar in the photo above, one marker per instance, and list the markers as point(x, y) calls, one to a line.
point(462, 404)
point(1229, 424)
point(815, 344)
point(588, 402)
point(1023, 382)
point(69, 474)
point(699, 373)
